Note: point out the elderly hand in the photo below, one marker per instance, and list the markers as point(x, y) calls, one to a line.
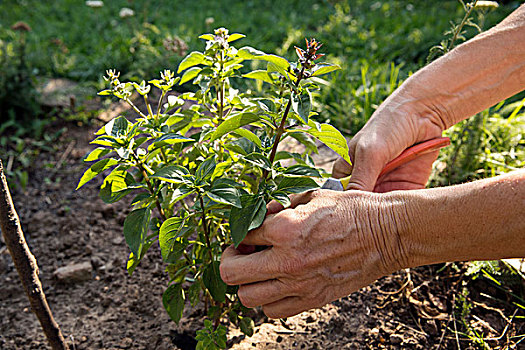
point(327, 245)
point(391, 130)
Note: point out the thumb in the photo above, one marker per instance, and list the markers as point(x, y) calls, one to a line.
point(366, 169)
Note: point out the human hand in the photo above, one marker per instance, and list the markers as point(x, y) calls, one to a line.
point(390, 131)
point(326, 246)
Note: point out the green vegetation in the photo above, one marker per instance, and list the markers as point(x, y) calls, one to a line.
point(202, 175)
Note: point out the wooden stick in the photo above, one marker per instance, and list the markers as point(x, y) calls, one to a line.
point(26, 265)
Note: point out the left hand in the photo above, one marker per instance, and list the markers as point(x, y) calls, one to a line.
point(326, 246)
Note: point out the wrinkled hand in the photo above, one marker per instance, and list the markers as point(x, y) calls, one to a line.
point(327, 245)
point(389, 132)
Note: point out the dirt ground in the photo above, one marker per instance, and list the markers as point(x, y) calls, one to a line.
point(411, 309)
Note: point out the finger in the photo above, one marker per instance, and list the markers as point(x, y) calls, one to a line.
point(257, 294)
point(410, 176)
point(341, 168)
point(273, 207)
point(286, 307)
point(262, 235)
point(365, 171)
point(237, 268)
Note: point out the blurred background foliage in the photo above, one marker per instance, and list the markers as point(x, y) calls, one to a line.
point(377, 43)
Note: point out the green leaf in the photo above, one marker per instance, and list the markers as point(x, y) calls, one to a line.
point(105, 92)
point(235, 36)
point(96, 154)
point(205, 169)
point(168, 139)
point(249, 135)
point(135, 229)
point(304, 139)
point(225, 194)
point(106, 141)
point(193, 59)
point(272, 67)
point(117, 127)
point(170, 246)
point(258, 160)
point(250, 216)
point(247, 325)
point(133, 262)
point(206, 37)
point(213, 282)
point(259, 75)
point(282, 198)
point(173, 301)
point(172, 173)
point(116, 185)
point(302, 104)
point(324, 68)
point(249, 53)
point(331, 137)
point(233, 123)
point(96, 169)
point(297, 184)
point(302, 170)
point(242, 146)
point(190, 74)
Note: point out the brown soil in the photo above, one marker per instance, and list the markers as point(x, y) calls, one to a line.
point(410, 309)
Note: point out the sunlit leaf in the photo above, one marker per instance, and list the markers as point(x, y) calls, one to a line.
point(193, 59)
point(233, 123)
point(96, 169)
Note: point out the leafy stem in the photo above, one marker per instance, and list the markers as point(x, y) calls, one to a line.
point(150, 185)
point(281, 128)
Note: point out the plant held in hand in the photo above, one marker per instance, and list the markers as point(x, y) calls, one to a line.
point(202, 175)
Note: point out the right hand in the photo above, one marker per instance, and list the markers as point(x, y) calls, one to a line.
point(390, 131)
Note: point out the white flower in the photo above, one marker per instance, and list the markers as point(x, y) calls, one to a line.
point(209, 21)
point(95, 3)
point(173, 101)
point(126, 12)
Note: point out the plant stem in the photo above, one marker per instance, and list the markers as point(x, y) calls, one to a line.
point(160, 102)
point(461, 25)
point(135, 107)
point(281, 128)
point(206, 229)
point(150, 186)
point(148, 105)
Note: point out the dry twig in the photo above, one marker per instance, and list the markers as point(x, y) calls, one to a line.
point(26, 266)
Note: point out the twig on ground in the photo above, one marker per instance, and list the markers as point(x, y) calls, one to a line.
point(64, 155)
point(26, 266)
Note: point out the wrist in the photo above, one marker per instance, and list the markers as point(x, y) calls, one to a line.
point(387, 226)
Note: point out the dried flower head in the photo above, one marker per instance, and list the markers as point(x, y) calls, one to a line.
point(21, 27)
point(308, 56)
point(176, 44)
